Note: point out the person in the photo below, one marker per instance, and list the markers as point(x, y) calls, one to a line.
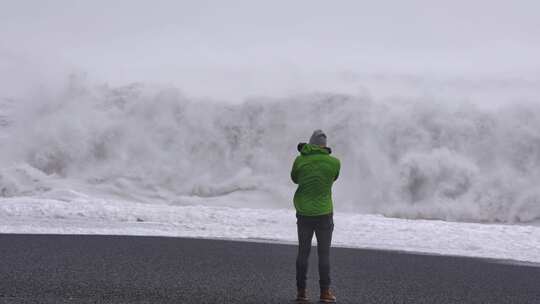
point(315, 171)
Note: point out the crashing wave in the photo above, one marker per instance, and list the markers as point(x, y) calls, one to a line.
point(400, 157)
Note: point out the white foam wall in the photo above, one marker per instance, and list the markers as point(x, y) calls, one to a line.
point(407, 157)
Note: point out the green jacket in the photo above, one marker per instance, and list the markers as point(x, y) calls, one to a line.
point(314, 170)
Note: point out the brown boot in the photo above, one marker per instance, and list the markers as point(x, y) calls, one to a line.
point(327, 296)
point(301, 295)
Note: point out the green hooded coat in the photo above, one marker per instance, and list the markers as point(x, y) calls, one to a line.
point(314, 170)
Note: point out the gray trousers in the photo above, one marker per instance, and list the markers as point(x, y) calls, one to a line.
point(322, 226)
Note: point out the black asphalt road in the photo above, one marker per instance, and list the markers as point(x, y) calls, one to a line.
point(124, 269)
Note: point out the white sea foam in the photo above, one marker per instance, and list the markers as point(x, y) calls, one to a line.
point(75, 213)
point(426, 158)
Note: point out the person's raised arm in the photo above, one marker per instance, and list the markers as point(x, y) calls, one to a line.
point(294, 173)
point(338, 169)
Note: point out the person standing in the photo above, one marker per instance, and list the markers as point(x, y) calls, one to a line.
point(315, 171)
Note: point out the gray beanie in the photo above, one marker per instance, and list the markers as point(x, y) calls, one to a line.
point(318, 138)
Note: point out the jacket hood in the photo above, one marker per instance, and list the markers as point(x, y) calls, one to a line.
point(309, 149)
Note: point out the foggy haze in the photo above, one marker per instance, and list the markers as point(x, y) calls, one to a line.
point(235, 49)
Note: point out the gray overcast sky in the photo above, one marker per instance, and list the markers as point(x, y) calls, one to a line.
point(237, 48)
